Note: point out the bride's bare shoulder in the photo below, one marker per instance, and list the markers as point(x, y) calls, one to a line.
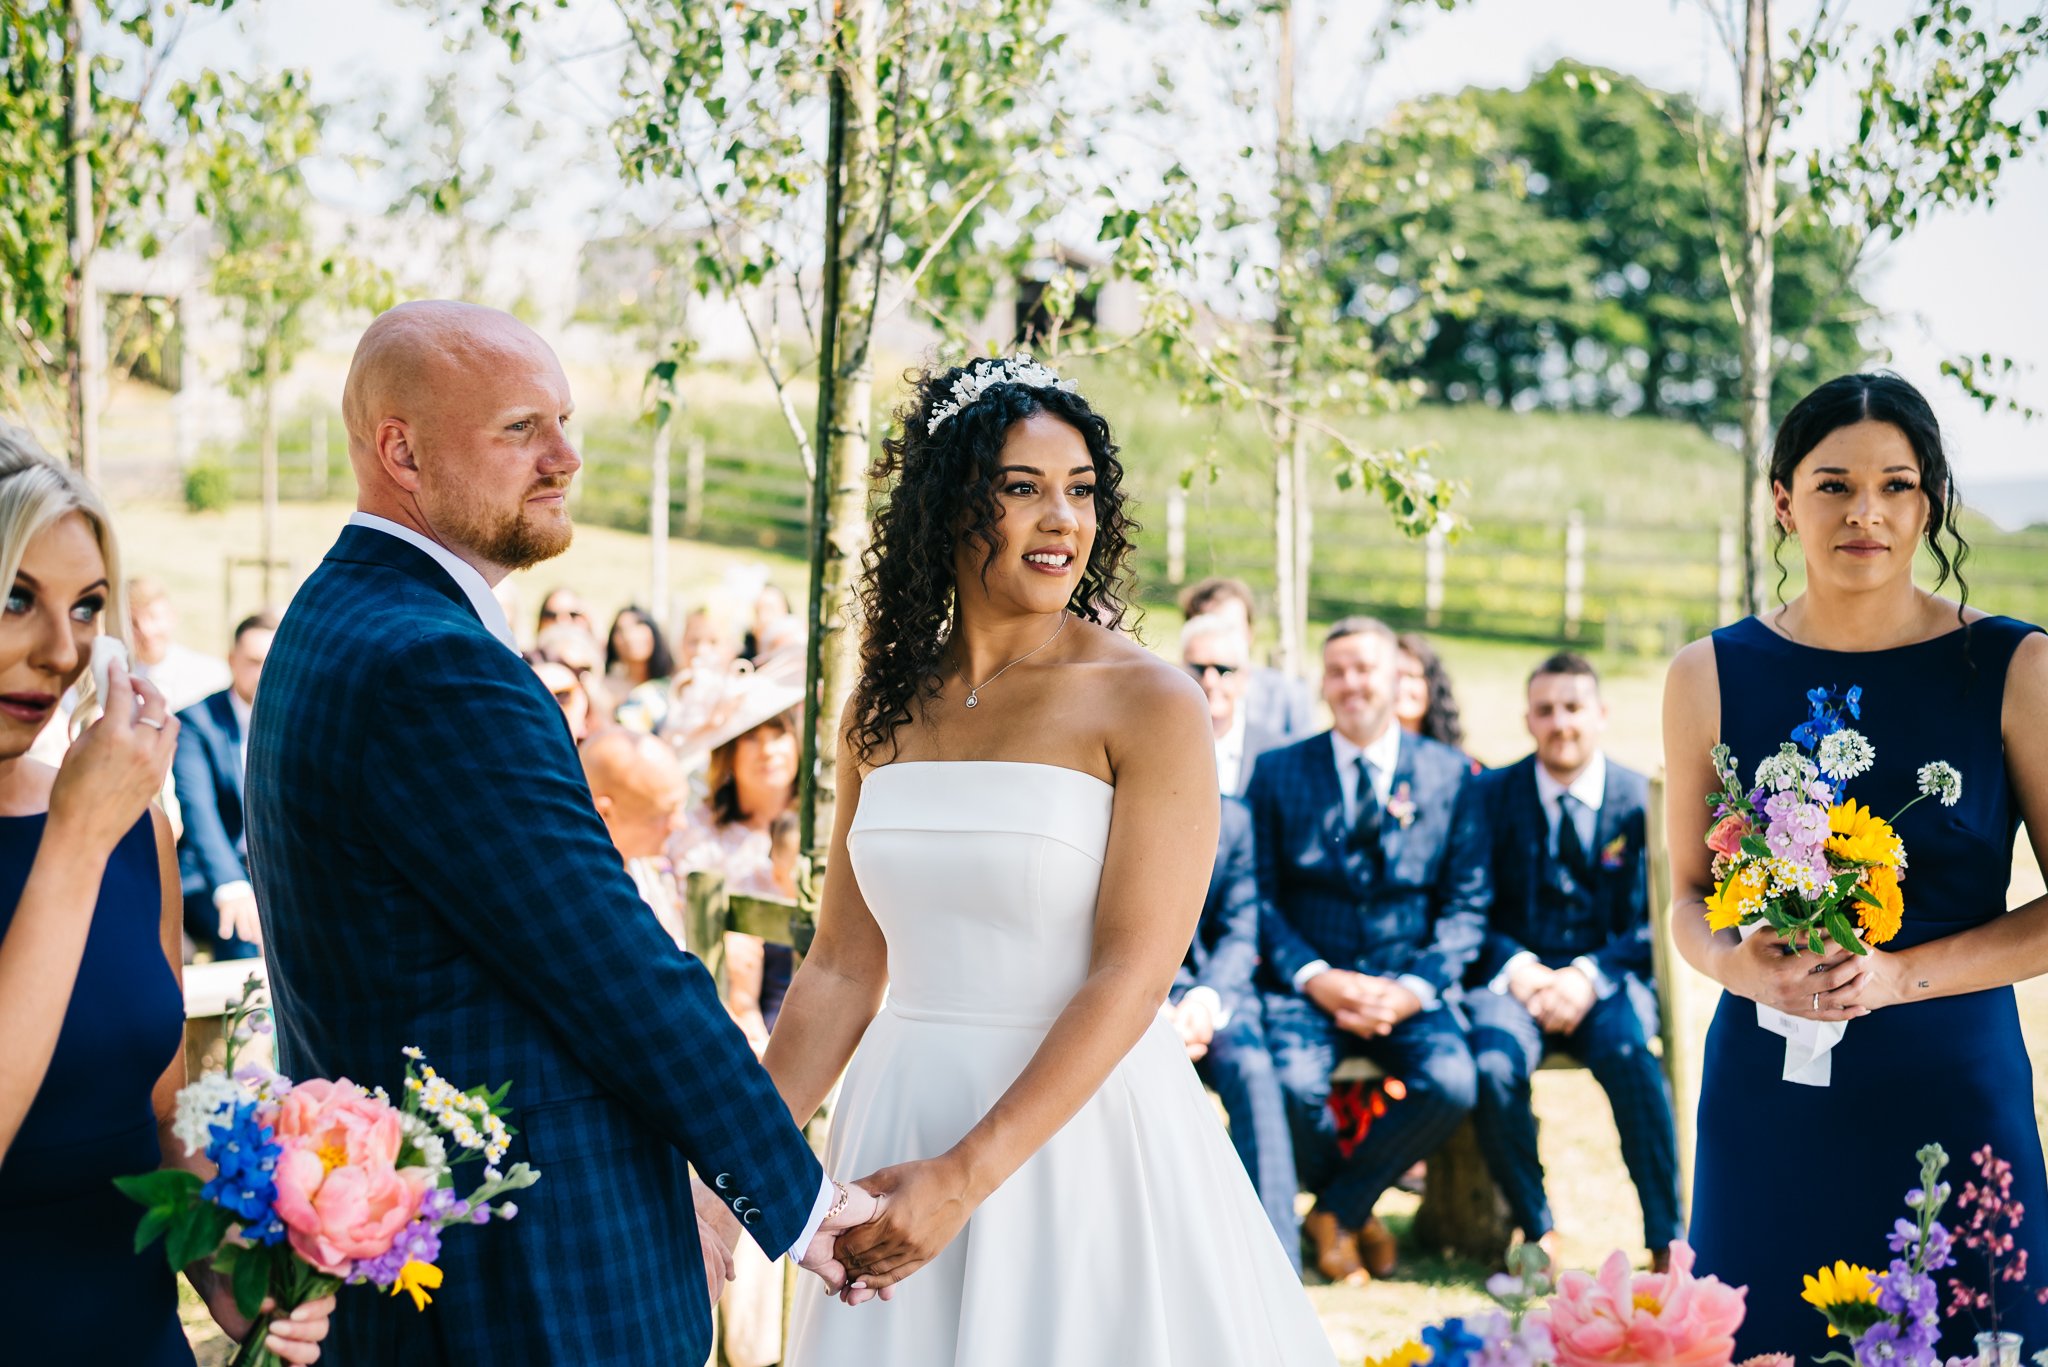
point(1133, 685)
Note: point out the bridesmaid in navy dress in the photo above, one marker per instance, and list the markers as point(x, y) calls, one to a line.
point(90, 1005)
point(1933, 1049)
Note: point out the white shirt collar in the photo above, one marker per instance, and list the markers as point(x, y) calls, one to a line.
point(1590, 787)
point(241, 710)
point(1384, 753)
point(481, 600)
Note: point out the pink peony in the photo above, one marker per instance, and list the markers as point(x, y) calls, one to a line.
point(1769, 1360)
point(338, 1192)
point(1671, 1319)
point(1726, 836)
point(339, 1118)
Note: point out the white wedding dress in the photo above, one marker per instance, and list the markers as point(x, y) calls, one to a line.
point(1132, 1238)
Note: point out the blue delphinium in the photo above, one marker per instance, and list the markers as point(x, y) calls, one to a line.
point(1826, 709)
point(1451, 1344)
point(246, 1156)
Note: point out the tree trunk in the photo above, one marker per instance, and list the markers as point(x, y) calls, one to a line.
point(1290, 499)
point(839, 497)
point(82, 322)
point(272, 364)
point(1462, 1212)
point(1758, 277)
point(658, 515)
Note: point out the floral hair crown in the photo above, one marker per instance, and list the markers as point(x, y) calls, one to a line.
point(1019, 369)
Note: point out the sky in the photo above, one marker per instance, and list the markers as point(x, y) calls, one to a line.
point(1972, 279)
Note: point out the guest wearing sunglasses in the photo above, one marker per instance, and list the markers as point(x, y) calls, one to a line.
point(563, 605)
point(1216, 654)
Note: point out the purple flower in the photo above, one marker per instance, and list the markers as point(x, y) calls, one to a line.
point(417, 1242)
point(1904, 1235)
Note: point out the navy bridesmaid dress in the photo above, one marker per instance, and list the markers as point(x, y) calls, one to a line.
point(72, 1287)
point(1953, 1069)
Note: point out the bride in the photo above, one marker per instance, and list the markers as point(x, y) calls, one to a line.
point(1026, 818)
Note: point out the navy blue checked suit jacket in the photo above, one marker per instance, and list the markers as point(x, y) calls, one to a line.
point(1226, 944)
point(1414, 904)
point(431, 871)
point(208, 773)
point(1612, 926)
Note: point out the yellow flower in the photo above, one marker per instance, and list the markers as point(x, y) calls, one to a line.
point(1842, 1284)
point(419, 1278)
point(1409, 1354)
point(1741, 892)
point(1881, 922)
point(1854, 833)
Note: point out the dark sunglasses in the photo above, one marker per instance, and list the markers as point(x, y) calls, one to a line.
point(1196, 672)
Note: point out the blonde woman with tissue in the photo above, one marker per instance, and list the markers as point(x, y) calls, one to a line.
point(90, 1004)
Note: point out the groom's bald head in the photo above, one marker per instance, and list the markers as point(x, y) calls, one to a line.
point(455, 417)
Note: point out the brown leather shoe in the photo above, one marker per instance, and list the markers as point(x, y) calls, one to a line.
point(1336, 1249)
point(1376, 1248)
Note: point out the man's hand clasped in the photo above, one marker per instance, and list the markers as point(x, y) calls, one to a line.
point(829, 1257)
point(1360, 1003)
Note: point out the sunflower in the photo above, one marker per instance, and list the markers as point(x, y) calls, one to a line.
point(1881, 922)
point(1839, 1289)
point(1409, 1354)
point(1858, 835)
point(1744, 888)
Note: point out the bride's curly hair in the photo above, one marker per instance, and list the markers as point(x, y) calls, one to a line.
point(942, 489)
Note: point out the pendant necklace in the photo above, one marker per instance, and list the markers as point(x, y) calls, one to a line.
point(971, 698)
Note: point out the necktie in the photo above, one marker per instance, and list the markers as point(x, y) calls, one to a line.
point(1365, 828)
point(1571, 850)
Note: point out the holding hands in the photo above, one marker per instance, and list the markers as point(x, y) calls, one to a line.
point(1837, 986)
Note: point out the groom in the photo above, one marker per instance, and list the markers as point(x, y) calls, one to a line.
point(431, 872)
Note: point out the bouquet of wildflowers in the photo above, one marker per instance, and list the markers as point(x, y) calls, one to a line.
point(1791, 852)
point(1894, 1316)
point(1619, 1318)
point(322, 1183)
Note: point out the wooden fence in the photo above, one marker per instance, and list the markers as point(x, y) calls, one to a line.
point(1638, 586)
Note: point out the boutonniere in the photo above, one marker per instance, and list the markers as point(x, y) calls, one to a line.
point(1401, 806)
point(1614, 853)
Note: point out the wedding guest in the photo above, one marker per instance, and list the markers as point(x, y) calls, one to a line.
point(707, 642)
point(1214, 1008)
point(567, 643)
point(563, 605)
point(752, 779)
point(1217, 654)
point(90, 1004)
point(567, 690)
point(213, 752)
point(637, 666)
point(639, 788)
point(1372, 869)
point(1277, 703)
point(1933, 1051)
point(184, 675)
point(1566, 963)
point(1427, 706)
point(772, 623)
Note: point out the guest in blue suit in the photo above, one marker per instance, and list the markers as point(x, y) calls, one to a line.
point(213, 868)
point(1566, 965)
point(1274, 702)
point(1215, 1007)
point(431, 872)
point(1372, 871)
point(1216, 652)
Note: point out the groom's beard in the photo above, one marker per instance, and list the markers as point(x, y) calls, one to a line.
point(519, 539)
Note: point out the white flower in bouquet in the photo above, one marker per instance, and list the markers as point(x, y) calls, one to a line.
point(1786, 771)
point(199, 1105)
point(1942, 782)
point(1845, 754)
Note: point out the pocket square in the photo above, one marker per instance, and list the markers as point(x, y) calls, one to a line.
point(1614, 853)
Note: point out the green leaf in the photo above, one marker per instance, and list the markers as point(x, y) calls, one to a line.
point(1844, 934)
point(252, 1280)
point(1755, 847)
point(166, 1187)
point(195, 1232)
